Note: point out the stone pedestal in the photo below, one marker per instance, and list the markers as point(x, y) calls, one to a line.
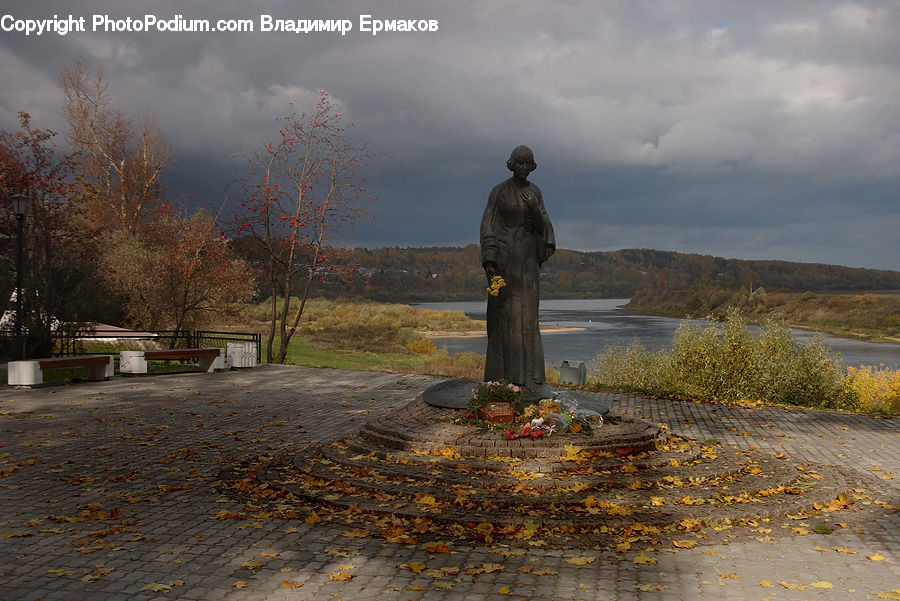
point(241, 355)
point(132, 362)
point(24, 373)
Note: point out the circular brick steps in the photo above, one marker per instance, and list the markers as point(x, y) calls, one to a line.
point(416, 464)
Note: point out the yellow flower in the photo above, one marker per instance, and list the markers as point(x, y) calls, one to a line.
point(497, 282)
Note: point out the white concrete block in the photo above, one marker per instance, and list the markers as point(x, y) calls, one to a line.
point(24, 373)
point(132, 362)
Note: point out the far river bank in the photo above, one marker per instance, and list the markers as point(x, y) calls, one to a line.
point(576, 330)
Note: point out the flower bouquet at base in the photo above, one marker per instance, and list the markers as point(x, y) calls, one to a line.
point(496, 404)
point(500, 399)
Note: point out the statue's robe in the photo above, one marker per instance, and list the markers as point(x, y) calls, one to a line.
point(518, 239)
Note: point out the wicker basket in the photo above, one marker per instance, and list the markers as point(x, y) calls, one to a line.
point(498, 413)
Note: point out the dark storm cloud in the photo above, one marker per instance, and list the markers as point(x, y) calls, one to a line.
point(755, 130)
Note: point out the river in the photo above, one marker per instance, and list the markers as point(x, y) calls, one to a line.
point(603, 323)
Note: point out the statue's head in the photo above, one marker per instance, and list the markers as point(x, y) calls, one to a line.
point(521, 154)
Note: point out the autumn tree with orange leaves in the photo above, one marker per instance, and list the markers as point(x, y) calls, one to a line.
point(169, 268)
point(299, 188)
point(179, 274)
point(59, 281)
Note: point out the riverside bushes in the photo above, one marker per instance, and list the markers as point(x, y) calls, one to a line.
point(878, 389)
point(730, 363)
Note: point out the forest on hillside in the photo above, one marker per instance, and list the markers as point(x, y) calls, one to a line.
point(437, 274)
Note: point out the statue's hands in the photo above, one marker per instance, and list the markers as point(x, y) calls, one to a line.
point(529, 197)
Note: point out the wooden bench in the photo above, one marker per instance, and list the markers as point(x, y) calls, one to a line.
point(30, 372)
point(135, 362)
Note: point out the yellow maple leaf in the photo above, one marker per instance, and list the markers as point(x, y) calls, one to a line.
point(447, 453)
point(436, 547)
point(581, 561)
point(509, 552)
point(623, 547)
point(340, 576)
point(685, 544)
point(16, 534)
point(876, 557)
point(821, 584)
point(657, 501)
point(356, 533)
point(651, 587)
point(291, 584)
point(573, 453)
point(894, 594)
point(793, 587)
point(156, 587)
point(642, 559)
point(504, 590)
point(414, 566)
point(590, 501)
point(766, 584)
point(444, 585)
point(240, 584)
point(312, 518)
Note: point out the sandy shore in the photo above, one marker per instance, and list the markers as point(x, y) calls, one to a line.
point(481, 334)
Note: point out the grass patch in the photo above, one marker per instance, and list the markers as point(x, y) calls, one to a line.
point(316, 354)
point(376, 337)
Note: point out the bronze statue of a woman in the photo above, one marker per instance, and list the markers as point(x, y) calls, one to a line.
point(516, 239)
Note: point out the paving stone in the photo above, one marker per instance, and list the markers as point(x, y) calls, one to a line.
point(70, 453)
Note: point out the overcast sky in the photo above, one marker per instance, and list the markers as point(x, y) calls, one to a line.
point(755, 130)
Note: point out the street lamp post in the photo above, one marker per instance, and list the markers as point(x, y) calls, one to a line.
point(19, 207)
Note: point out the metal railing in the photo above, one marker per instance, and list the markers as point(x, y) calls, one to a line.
point(209, 338)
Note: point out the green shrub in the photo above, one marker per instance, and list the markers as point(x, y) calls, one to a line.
point(729, 363)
